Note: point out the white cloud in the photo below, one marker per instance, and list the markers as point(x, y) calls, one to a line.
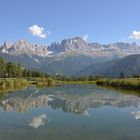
point(38, 121)
point(38, 31)
point(135, 35)
point(85, 37)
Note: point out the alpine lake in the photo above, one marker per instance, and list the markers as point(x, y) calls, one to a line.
point(69, 112)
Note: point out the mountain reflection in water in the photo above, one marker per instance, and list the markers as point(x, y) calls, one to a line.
point(69, 98)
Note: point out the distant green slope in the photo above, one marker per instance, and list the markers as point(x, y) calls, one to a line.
point(128, 65)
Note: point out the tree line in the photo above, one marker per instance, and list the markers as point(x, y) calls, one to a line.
point(11, 70)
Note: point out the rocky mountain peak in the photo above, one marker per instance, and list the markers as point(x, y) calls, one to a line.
point(23, 47)
point(74, 43)
point(69, 44)
point(22, 42)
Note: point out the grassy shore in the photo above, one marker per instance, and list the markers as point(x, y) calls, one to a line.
point(44, 82)
point(126, 83)
point(11, 84)
point(76, 82)
point(119, 83)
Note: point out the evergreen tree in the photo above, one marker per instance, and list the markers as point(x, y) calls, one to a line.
point(2, 68)
point(122, 74)
point(19, 70)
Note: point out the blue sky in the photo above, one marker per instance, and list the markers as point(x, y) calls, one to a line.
point(103, 21)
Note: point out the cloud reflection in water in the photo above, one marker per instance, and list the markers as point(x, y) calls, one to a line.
point(136, 115)
point(38, 121)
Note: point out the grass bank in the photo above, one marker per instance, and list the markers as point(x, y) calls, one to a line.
point(126, 83)
point(76, 82)
point(44, 82)
point(11, 84)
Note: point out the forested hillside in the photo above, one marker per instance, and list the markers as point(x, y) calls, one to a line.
point(11, 70)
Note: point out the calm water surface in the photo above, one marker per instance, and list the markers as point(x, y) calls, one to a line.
point(69, 112)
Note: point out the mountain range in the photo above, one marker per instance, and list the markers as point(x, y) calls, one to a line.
point(74, 56)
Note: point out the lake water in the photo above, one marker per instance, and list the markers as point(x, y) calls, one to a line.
point(69, 112)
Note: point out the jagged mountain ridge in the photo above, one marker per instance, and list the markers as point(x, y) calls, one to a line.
point(68, 57)
point(23, 47)
point(69, 45)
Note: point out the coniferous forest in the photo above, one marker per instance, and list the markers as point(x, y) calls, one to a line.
point(11, 70)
